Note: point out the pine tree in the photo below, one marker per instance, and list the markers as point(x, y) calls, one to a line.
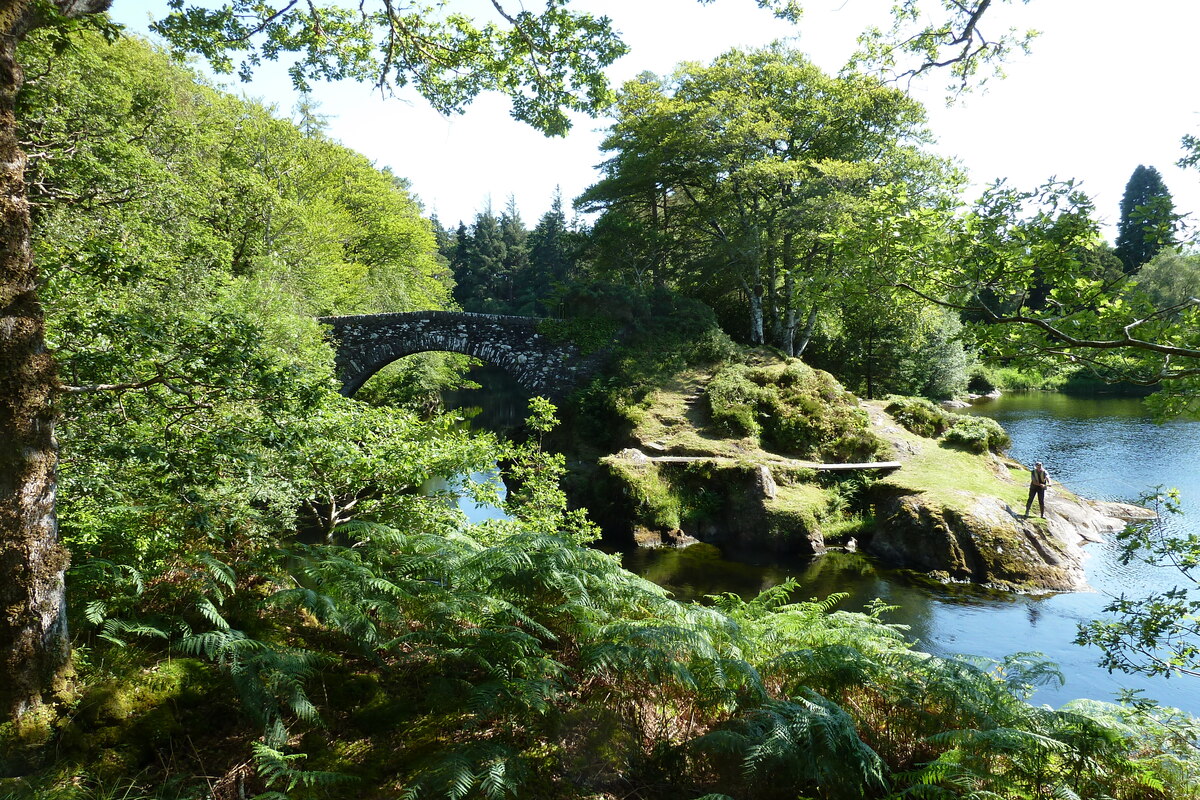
point(484, 265)
point(466, 282)
point(309, 119)
point(550, 249)
point(1148, 219)
point(447, 239)
point(515, 289)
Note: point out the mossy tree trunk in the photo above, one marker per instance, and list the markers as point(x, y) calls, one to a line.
point(33, 632)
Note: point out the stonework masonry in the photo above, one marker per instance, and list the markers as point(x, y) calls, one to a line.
point(369, 342)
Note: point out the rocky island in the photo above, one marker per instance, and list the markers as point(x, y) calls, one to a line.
point(770, 455)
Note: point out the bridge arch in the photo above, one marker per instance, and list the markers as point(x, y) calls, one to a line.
point(366, 343)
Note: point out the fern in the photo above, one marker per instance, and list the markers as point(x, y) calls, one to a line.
point(495, 770)
point(807, 742)
point(277, 768)
point(270, 679)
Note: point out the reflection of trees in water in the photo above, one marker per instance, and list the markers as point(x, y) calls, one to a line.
point(702, 569)
point(693, 572)
point(499, 404)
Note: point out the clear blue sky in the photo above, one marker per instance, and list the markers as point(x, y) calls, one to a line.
point(1109, 85)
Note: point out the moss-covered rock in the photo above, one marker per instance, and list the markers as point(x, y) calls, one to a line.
point(123, 720)
point(983, 542)
point(676, 499)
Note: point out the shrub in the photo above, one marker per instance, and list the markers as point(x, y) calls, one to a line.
point(985, 379)
point(920, 416)
point(981, 380)
point(733, 402)
point(978, 435)
point(624, 305)
point(589, 334)
point(807, 413)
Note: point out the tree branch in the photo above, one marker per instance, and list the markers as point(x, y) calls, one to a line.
point(113, 387)
point(1044, 325)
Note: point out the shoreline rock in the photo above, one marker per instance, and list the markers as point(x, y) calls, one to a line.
point(980, 537)
point(986, 541)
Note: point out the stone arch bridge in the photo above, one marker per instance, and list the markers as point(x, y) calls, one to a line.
point(542, 365)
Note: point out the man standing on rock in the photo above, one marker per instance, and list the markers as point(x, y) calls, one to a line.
point(1039, 479)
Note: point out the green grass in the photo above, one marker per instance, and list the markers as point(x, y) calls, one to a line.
point(949, 476)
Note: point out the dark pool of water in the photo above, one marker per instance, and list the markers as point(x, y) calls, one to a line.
point(499, 404)
point(1106, 448)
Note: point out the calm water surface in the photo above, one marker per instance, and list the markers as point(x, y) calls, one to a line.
point(1106, 448)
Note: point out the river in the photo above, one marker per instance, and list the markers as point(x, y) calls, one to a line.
point(1104, 448)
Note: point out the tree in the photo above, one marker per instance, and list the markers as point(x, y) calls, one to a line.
point(1158, 634)
point(33, 643)
point(954, 40)
point(309, 118)
point(482, 281)
point(516, 273)
point(998, 257)
point(183, 230)
point(551, 253)
point(1171, 278)
point(739, 169)
point(1148, 219)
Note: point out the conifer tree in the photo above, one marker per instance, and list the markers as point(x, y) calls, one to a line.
point(1148, 219)
point(447, 240)
point(462, 244)
point(550, 248)
point(459, 256)
point(480, 273)
point(515, 289)
point(309, 118)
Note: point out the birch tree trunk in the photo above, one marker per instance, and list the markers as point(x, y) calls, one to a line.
point(755, 290)
point(809, 325)
point(756, 314)
point(787, 338)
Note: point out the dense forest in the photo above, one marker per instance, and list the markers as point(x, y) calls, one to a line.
point(265, 599)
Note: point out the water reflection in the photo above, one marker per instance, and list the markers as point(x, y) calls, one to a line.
point(499, 405)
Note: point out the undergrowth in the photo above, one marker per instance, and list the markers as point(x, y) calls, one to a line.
point(794, 410)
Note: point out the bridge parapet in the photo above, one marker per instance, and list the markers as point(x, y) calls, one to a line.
point(366, 343)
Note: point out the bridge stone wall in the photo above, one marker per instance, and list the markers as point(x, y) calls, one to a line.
point(369, 342)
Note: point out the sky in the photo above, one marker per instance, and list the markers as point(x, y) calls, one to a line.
point(1109, 85)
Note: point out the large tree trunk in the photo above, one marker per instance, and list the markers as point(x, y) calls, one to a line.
point(755, 294)
point(33, 631)
point(787, 331)
point(756, 315)
point(33, 622)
